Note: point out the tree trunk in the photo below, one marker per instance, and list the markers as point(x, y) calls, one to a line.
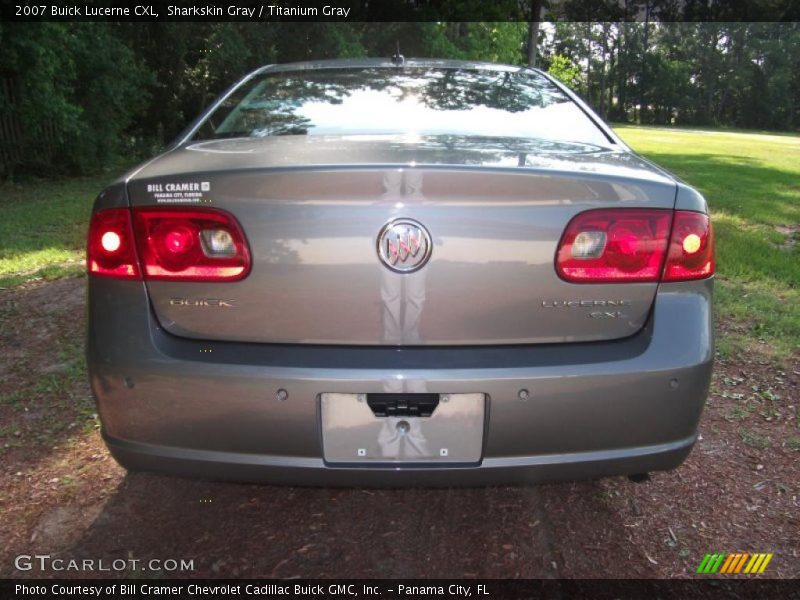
point(589, 63)
point(622, 69)
point(533, 32)
point(643, 67)
point(603, 66)
point(613, 67)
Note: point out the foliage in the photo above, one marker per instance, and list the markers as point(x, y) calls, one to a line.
point(77, 89)
point(736, 74)
point(87, 93)
point(563, 69)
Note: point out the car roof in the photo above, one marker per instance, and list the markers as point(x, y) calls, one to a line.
point(362, 63)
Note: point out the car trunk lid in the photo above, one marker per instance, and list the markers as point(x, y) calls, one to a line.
point(312, 209)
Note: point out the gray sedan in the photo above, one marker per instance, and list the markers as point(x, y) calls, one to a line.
point(399, 272)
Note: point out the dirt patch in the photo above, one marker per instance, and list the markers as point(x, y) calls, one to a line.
point(791, 235)
point(34, 318)
point(740, 488)
point(54, 466)
point(61, 494)
point(62, 526)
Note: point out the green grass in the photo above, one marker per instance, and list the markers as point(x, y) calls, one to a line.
point(752, 184)
point(753, 438)
point(43, 228)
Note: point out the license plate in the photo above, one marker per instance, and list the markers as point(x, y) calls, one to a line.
point(352, 433)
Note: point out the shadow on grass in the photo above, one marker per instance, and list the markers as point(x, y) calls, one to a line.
point(739, 185)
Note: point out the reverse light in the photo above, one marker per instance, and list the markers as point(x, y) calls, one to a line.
point(192, 244)
point(218, 242)
point(589, 244)
point(110, 247)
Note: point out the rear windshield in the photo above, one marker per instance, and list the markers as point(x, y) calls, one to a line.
point(408, 100)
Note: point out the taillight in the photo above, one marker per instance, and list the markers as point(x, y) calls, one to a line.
point(192, 244)
point(635, 245)
point(614, 245)
point(110, 248)
point(691, 248)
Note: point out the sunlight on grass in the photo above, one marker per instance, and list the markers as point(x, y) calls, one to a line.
point(752, 184)
point(35, 259)
point(43, 228)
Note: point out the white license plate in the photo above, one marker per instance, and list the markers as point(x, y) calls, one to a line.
point(351, 433)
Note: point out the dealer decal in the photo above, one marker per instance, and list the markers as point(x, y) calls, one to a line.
point(180, 192)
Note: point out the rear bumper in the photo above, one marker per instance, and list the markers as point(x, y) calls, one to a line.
point(210, 409)
point(314, 471)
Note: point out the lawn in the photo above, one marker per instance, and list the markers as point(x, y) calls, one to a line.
point(43, 228)
point(751, 180)
point(752, 184)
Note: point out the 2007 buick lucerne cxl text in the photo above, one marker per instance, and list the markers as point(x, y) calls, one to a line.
point(389, 272)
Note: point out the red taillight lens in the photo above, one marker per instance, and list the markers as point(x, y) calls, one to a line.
point(630, 245)
point(197, 244)
point(110, 249)
point(614, 245)
point(691, 248)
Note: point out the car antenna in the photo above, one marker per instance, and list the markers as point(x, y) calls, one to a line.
point(398, 58)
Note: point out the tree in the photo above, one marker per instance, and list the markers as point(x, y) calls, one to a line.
point(106, 90)
point(563, 69)
point(533, 32)
point(76, 90)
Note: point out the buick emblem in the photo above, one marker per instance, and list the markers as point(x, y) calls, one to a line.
point(404, 245)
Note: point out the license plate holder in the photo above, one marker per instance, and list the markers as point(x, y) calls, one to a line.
point(352, 433)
